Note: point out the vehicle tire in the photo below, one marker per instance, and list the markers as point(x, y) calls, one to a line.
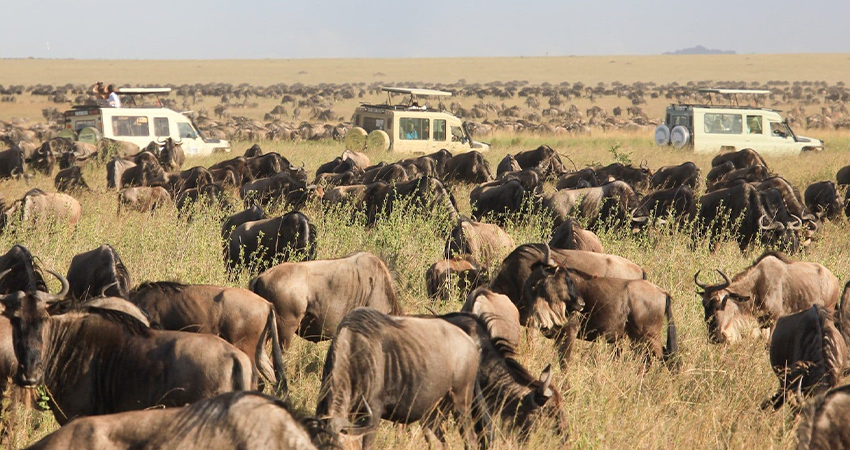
point(355, 139)
point(662, 135)
point(90, 135)
point(680, 136)
point(378, 141)
point(68, 134)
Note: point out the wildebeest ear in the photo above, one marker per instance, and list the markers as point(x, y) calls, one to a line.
point(544, 391)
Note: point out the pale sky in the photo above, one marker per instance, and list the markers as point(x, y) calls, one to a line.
point(223, 29)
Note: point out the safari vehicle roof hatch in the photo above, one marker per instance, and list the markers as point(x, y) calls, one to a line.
point(413, 93)
point(733, 92)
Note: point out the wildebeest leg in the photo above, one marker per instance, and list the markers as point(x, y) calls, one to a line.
point(565, 339)
point(463, 413)
point(432, 427)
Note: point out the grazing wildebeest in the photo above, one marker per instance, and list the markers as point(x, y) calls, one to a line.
point(685, 174)
point(486, 243)
point(461, 270)
point(70, 179)
point(613, 203)
point(501, 314)
point(142, 174)
point(239, 166)
point(258, 243)
point(507, 164)
point(544, 159)
point(583, 178)
point(249, 215)
point(570, 236)
point(238, 316)
point(105, 361)
point(517, 267)
point(772, 287)
point(390, 173)
point(807, 353)
point(195, 177)
point(402, 369)
point(115, 169)
point(276, 187)
point(12, 164)
point(636, 177)
point(254, 151)
point(24, 274)
point(529, 178)
point(209, 196)
point(354, 176)
point(469, 167)
point(791, 199)
point(38, 205)
point(243, 420)
point(679, 202)
point(311, 297)
point(423, 194)
point(107, 148)
point(740, 159)
point(267, 165)
point(143, 198)
point(613, 309)
point(822, 200)
point(823, 424)
point(98, 273)
point(750, 174)
point(500, 200)
point(717, 173)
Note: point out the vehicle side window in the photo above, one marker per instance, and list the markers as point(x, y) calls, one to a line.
point(160, 126)
point(414, 129)
point(371, 124)
point(439, 130)
point(777, 129)
point(723, 123)
point(457, 134)
point(754, 125)
point(130, 126)
point(186, 131)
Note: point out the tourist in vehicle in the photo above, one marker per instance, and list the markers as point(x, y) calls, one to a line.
point(113, 99)
point(410, 132)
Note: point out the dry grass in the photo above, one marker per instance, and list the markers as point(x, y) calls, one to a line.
point(712, 402)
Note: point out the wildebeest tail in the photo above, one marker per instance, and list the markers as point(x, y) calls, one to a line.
point(282, 389)
point(842, 315)
point(238, 376)
point(395, 307)
point(672, 346)
point(483, 420)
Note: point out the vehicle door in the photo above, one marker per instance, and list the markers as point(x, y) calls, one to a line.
point(781, 141)
point(754, 134)
point(414, 134)
point(722, 130)
point(133, 128)
point(459, 140)
point(184, 132)
point(440, 135)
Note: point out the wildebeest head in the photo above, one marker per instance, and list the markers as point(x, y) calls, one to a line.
point(28, 316)
point(720, 313)
point(551, 296)
point(540, 404)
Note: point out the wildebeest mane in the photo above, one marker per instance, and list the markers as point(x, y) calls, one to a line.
point(32, 272)
point(368, 322)
point(169, 287)
point(126, 321)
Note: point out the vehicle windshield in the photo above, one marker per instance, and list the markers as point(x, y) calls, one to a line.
point(186, 130)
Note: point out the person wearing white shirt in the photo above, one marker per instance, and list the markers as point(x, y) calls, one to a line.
point(113, 99)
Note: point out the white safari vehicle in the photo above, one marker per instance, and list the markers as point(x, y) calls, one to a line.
point(139, 124)
point(713, 128)
point(409, 127)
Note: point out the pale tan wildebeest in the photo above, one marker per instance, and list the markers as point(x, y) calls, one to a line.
point(501, 313)
point(460, 270)
point(487, 243)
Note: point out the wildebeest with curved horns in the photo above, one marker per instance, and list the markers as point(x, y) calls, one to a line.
point(70, 179)
point(772, 287)
point(402, 369)
point(260, 242)
point(105, 361)
point(171, 157)
point(822, 200)
point(238, 316)
point(244, 420)
point(98, 273)
point(311, 297)
point(544, 159)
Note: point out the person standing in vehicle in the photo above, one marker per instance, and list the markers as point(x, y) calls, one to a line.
point(113, 99)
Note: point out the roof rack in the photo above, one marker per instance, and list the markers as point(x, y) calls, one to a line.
point(735, 92)
point(416, 91)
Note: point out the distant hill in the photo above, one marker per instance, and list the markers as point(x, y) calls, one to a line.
point(700, 50)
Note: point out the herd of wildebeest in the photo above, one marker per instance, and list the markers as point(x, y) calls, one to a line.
point(106, 350)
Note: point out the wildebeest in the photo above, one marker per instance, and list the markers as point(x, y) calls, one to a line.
point(268, 165)
point(389, 173)
point(239, 166)
point(685, 174)
point(238, 316)
point(171, 157)
point(37, 205)
point(613, 203)
point(104, 361)
point(311, 297)
point(107, 148)
point(679, 202)
point(807, 353)
point(469, 167)
point(70, 179)
point(613, 309)
point(24, 274)
point(740, 159)
point(583, 178)
point(636, 177)
point(115, 169)
point(717, 173)
point(486, 243)
point(529, 178)
point(544, 159)
point(791, 198)
point(254, 151)
point(259, 243)
point(143, 198)
point(824, 420)
point(570, 236)
point(507, 164)
point(422, 194)
point(12, 164)
point(460, 270)
point(822, 200)
point(500, 313)
point(773, 286)
point(243, 420)
point(98, 273)
point(499, 200)
point(249, 215)
point(402, 369)
point(209, 196)
point(142, 174)
point(279, 186)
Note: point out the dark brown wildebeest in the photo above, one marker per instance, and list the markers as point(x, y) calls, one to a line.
point(422, 194)
point(259, 243)
point(461, 270)
point(142, 174)
point(276, 187)
point(270, 164)
point(195, 177)
point(254, 151)
point(43, 160)
point(354, 176)
point(423, 166)
point(24, 274)
point(226, 177)
point(740, 159)
point(337, 165)
point(390, 173)
point(678, 202)
point(517, 267)
point(612, 309)
point(107, 148)
point(239, 165)
point(823, 423)
point(402, 369)
point(115, 169)
point(750, 174)
point(500, 200)
point(249, 215)
point(209, 196)
point(717, 172)
point(507, 164)
point(808, 355)
point(143, 198)
point(570, 236)
point(791, 199)
point(98, 273)
point(341, 195)
point(544, 159)
point(171, 157)
point(37, 205)
point(243, 420)
point(529, 178)
point(70, 179)
point(685, 174)
point(842, 178)
point(147, 155)
point(822, 200)
point(311, 298)
point(500, 313)
point(486, 243)
point(583, 178)
point(238, 316)
point(12, 164)
point(469, 167)
point(105, 361)
point(613, 203)
point(772, 287)
point(636, 177)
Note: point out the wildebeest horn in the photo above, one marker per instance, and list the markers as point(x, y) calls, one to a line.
point(103, 291)
point(547, 256)
point(65, 286)
point(798, 225)
point(644, 164)
point(702, 286)
point(726, 280)
point(4, 273)
point(771, 226)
